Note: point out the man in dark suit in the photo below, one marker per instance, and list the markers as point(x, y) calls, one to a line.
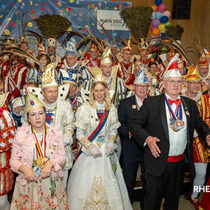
point(164, 126)
point(132, 153)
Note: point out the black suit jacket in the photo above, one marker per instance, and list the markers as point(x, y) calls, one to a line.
point(127, 111)
point(151, 121)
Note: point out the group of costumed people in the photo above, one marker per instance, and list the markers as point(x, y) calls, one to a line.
point(66, 123)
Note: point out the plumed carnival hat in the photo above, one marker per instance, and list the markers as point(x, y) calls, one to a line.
point(202, 61)
point(71, 49)
point(141, 77)
point(106, 57)
point(127, 47)
point(207, 53)
point(172, 68)
point(48, 78)
point(192, 74)
point(3, 98)
point(143, 45)
point(41, 49)
point(69, 77)
point(32, 102)
point(51, 41)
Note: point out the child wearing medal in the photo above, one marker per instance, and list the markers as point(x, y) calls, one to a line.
point(38, 157)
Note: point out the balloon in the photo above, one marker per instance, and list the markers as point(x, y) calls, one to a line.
point(168, 24)
point(156, 22)
point(155, 32)
point(163, 35)
point(154, 7)
point(164, 19)
point(153, 15)
point(157, 2)
point(162, 27)
point(152, 28)
point(158, 15)
point(166, 13)
point(161, 7)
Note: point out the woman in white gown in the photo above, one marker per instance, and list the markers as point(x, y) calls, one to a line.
point(96, 180)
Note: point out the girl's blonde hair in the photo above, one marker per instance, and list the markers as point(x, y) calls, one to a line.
point(107, 99)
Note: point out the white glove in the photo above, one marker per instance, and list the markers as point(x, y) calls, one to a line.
point(110, 147)
point(94, 150)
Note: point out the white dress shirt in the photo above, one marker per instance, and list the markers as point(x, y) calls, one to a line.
point(138, 102)
point(177, 140)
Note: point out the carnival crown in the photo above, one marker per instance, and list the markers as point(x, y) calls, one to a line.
point(98, 78)
point(32, 102)
point(48, 78)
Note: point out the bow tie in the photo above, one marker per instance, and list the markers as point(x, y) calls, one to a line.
point(177, 102)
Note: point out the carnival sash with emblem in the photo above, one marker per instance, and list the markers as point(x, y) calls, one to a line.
point(95, 133)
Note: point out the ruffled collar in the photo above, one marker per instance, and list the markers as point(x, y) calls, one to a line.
point(100, 106)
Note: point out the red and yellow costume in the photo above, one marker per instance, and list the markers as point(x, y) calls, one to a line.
point(90, 62)
point(126, 71)
point(203, 62)
point(14, 79)
point(7, 133)
point(200, 152)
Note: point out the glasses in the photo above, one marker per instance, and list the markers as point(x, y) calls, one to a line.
point(179, 82)
point(194, 83)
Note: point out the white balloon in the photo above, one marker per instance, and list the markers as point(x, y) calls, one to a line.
point(153, 15)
